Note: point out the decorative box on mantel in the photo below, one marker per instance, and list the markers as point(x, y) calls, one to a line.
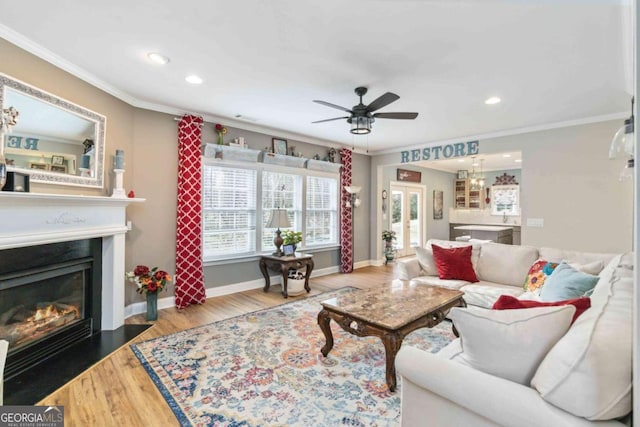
point(30, 219)
point(321, 165)
point(226, 152)
point(283, 160)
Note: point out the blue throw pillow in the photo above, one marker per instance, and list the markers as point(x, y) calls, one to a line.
point(567, 283)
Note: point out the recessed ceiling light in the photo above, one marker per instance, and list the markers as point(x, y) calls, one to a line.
point(492, 100)
point(506, 155)
point(194, 80)
point(518, 160)
point(158, 58)
point(475, 164)
point(461, 160)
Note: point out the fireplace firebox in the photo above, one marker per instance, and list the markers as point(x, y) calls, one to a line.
point(50, 299)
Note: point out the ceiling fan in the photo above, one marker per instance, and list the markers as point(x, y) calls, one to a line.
point(362, 116)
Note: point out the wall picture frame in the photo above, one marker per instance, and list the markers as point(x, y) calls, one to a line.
point(57, 160)
point(39, 166)
point(279, 146)
point(438, 204)
point(408, 175)
point(58, 168)
point(463, 174)
point(288, 250)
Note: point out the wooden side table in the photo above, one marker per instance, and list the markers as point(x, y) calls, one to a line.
point(283, 264)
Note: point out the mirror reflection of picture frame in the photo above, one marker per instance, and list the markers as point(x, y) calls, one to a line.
point(58, 168)
point(463, 174)
point(57, 160)
point(288, 250)
point(39, 166)
point(279, 146)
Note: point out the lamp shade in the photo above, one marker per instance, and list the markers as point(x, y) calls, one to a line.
point(352, 189)
point(360, 125)
point(278, 219)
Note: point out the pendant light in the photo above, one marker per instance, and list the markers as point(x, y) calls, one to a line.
point(481, 180)
point(624, 138)
point(473, 181)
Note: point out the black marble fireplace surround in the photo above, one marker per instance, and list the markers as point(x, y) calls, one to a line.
point(50, 311)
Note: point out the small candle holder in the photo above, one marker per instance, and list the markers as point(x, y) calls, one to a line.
point(118, 190)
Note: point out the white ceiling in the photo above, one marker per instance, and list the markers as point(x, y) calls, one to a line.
point(551, 62)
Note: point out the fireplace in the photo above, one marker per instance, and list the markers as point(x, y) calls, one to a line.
point(49, 299)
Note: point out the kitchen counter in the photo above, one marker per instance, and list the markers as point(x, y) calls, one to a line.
point(482, 228)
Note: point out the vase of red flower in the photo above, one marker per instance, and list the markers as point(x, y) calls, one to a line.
point(221, 131)
point(149, 282)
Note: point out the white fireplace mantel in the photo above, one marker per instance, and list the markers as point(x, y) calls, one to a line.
point(28, 219)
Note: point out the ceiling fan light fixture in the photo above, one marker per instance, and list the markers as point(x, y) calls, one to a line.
point(360, 125)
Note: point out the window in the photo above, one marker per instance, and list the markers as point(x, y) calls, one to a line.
point(237, 204)
point(506, 200)
point(322, 211)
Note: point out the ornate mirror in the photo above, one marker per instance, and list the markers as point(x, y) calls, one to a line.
point(54, 140)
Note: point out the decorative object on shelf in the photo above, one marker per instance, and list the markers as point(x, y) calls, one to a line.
point(279, 146)
point(505, 179)
point(332, 155)
point(118, 170)
point(316, 157)
point(487, 200)
point(39, 165)
point(278, 219)
point(438, 203)
point(463, 174)
point(622, 144)
point(361, 116)
point(408, 175)
point(292, 151)
point(8, 119)
point(131, 194)
point(354, 190)
point(58, 168)
point(288, 250)
point(221, 130)
point(57, 160)
point(149, 282)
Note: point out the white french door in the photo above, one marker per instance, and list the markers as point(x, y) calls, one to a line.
point(407, 216)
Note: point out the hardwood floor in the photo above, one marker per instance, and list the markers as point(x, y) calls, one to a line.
point(118, 392)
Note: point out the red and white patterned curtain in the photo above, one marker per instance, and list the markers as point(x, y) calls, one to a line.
point(346, 214)
point(189, 280)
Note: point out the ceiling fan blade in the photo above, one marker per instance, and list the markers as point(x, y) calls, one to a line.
point(401, 116)
point(329, 120)
point(328, 104)
point(382, 101)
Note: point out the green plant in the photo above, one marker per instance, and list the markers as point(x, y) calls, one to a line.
point(388, 235)
point(290, 237)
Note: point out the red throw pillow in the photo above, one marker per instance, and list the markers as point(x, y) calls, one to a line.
point(454, 263)
point(508, 302)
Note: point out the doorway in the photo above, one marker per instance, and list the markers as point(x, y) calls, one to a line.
point(407, 216)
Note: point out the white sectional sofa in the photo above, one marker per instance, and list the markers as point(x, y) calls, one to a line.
point(584, 379)
point(500, 268)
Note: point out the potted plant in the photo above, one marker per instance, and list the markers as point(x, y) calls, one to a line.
point(149, 282)
point(290, 237)
point(388, 236)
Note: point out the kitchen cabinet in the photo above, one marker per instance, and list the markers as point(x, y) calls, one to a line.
point(466, 197)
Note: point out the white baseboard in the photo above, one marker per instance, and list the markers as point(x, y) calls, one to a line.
point(169, 301)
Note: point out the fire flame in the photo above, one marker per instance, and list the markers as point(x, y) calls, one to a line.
point(51, 312)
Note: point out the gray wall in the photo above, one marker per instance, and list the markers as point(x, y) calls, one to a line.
point(568, 180)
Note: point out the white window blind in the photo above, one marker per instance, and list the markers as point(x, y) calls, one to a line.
point(229, 211)
point(284, 191)
point(322, 211)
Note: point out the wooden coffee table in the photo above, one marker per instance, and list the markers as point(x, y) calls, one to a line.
point(390, 313)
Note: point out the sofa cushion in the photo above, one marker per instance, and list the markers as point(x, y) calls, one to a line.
point(484, 294)
point(425, 258)
point(475, 248)
point(454, 263)
point(537, 275)
point(566, 283)
point(505, 264)
point(509, 343)
point(588, 372)
point(594, 267)
point(507, 302)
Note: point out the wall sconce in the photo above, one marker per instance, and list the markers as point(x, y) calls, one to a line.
point(353, 190)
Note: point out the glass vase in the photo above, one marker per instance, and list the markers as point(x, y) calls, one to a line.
point(152, 306)
point(220, 142)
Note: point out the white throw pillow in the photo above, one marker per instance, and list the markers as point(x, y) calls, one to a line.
point(588, 373)
point(509, 343)
point(593, 268)
point(425, 259)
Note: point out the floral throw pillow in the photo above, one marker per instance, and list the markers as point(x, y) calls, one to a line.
point(538, 273)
